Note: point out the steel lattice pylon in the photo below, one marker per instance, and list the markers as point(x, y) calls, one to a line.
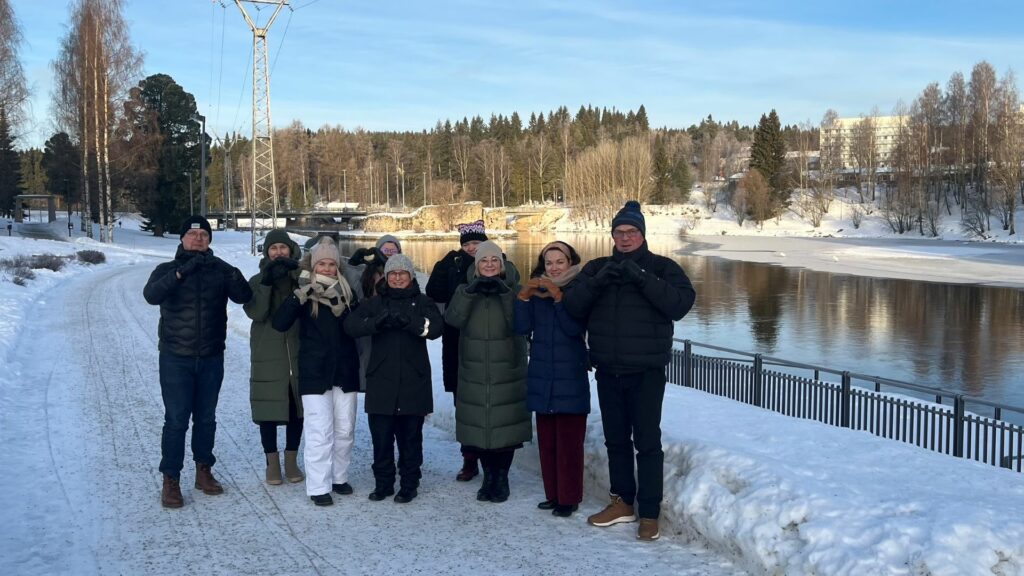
point(264, 187)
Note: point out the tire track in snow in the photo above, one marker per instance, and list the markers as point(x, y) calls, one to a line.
point(116, 410)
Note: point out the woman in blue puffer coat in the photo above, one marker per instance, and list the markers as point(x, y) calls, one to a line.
point(558, 388)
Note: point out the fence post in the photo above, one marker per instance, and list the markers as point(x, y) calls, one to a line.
point(845, 401)
point(958, 426)
point(756, 398)
point(687, 364)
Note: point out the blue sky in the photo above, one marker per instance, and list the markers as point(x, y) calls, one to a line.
point(403, 65)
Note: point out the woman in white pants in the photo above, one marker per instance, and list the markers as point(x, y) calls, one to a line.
point(328, 370)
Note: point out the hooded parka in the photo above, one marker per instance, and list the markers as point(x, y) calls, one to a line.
point(274, 355)
point(490, 404)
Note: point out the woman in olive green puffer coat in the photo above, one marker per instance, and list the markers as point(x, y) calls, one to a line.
point(490, 404)
point(273, 381)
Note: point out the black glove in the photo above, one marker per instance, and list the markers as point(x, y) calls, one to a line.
point(277, 269)
point(397, 320)
point(381, 320)
point(633, 273)
point(415, 325)
point(610, 272)
point(483, 285)
point(192, 264)
point(474, 286)
point(366, 256)
point(502, 287)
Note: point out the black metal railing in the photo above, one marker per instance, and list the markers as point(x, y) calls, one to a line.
point(930, 418)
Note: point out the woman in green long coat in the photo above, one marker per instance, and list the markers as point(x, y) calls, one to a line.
point(273, 380)
point(490, 404)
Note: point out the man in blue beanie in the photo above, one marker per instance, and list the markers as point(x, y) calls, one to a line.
point(630, 301)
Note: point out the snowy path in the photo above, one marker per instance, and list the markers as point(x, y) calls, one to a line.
point(81, 419)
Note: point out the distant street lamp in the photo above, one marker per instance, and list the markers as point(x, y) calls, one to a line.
point(67, 199)
point(191, 204)
point(202, 162)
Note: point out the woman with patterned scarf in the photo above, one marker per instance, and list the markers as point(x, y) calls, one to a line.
point(557, 386)
point(328, 370)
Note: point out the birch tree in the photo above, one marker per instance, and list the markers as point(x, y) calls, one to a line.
point(94, 69)
point(14, 91)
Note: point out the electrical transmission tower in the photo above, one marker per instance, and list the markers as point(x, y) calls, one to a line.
point(264, 187)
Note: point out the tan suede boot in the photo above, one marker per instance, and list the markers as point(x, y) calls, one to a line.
point(291, 466)
point(274, 468)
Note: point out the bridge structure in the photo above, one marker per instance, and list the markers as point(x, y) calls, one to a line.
point(304, 219)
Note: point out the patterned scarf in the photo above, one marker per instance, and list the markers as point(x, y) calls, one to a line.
point(333, 292)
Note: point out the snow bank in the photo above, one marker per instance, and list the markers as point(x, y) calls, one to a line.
point(790, 496)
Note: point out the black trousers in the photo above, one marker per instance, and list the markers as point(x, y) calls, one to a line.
point(292, 434)
point(407, 431)
point(631, 417)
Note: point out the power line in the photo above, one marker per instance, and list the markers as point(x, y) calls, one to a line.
point(281, 43)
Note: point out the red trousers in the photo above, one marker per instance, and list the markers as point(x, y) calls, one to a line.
point(560, 443)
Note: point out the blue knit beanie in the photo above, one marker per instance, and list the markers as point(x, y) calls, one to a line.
point(631, 215)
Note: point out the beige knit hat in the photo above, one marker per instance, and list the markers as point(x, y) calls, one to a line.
point(325, 249)
point(488, 248)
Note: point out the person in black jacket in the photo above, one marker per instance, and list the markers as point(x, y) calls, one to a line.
point(400, 319)
point(444, 279)
point(328, 370)
point(630, 301)
point(192, 291)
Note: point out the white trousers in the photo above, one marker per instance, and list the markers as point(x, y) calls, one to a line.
point(329, 432)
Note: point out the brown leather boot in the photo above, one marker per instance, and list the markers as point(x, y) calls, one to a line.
point(170, 496)
point(206, 482)
point(469, 469)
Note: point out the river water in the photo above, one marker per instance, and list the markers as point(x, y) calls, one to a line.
point(961, 338)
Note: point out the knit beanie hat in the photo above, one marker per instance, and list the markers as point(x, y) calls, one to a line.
point(195, 222)
point(400, 262)
point(325, 249)
point(488, 248)
point(472, 231)
point(279, 236)
point(389, 238)
point(630, 215)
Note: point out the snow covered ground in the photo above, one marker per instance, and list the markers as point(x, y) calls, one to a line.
point(746, 490)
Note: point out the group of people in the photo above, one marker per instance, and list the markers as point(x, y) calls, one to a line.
point(325, 329)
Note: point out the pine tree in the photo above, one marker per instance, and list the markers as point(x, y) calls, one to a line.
point(768, 156)
point(159, 132)
point(10, 168)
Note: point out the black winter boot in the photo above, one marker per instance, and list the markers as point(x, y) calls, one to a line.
point(484, 493)
point(499, 485)
point(381, 492)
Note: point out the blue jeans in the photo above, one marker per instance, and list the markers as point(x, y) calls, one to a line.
point(631, 417)
point(190, 387)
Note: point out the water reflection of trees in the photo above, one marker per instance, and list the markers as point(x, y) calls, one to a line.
point(967, 338)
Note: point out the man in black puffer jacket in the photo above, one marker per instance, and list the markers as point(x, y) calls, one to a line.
point(630, 301)
point(192, 291)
